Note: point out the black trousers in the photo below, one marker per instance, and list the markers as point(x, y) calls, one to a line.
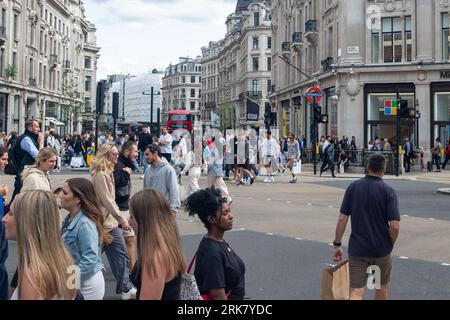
point(445, 162)
point(407, 163)
point(437, 161)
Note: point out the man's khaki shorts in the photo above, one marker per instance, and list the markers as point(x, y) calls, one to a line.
point(358, 270)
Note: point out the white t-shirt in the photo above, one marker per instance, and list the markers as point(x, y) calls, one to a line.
point(182, 149)
point(168, 147)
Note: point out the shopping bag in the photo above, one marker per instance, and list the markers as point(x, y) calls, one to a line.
point(341, 169)
point(297, 169)
point(76, 162)
point(336, 282)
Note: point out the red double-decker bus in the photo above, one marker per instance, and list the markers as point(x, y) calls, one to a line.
point(180, 119)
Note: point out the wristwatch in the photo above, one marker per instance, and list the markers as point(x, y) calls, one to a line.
point(337, 244)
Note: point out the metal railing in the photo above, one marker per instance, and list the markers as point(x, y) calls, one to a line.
point(286, 46)
point(311, 26)
point(297, 37)
point(327, 64)
point(254, 94)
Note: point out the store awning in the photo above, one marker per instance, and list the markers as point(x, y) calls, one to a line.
point(54, 121)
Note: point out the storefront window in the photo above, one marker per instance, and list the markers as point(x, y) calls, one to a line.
point(442, 115)
point(383, 126)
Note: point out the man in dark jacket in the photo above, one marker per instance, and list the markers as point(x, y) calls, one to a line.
point(26, 150)
point(145, 139)
point(329, 158)
point(122, 180)
point(3, 241)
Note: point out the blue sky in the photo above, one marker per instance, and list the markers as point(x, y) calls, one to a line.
point(139, 35)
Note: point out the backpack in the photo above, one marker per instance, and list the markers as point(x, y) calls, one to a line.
point(12, 168)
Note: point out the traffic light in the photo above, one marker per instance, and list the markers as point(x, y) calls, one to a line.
point(297, 103)
point(404, 110)
point(317, 111)
point(267, 114)
point(273, 119)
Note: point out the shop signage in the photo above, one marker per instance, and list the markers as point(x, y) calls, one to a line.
point(445, 74)
point(314, 93)
point(390, 108)
point(353, 50)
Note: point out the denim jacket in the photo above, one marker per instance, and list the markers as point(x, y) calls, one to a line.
point(81, 239)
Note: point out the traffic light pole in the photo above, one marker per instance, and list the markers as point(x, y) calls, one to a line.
point(316, 134)
point(399, 133)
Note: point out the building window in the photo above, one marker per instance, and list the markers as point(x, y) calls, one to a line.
point(183, 93)
point(269, 43)
point(255, 42)
point(392, 40)
point(15, 27)
point(87, 105)
point(375, 42)
point(445, 37)
point(192, 93)
point(269, 64)
point(87, 83)
point(183, 105)
point(255, 86)
point(193, 79)
point(2, 63)
point(408, 38)
point(192, 105)
point(255, 64)
point(256, 18)
point(183, 79)
point(269, 85)
point(87, 62)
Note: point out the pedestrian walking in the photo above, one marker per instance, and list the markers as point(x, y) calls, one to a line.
point(436, 153)
point(165, 143)
point(447, 155)
point(43, 269)
point(36, 177)
point(328, 163)
point(214, 162)
point(293, 155)
point(193, 169)
point(122, 183)
point(160, 265)
point(219, 271)
point(161, 176)
point(268, 154)
point(102, 177)
point(373, 208)
point(24, 151)
point(83, 234)
point(145, 139)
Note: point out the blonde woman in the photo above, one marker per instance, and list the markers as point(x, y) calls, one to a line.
point(160, 265)
point(36, 177)
point(34, 222)
point(102, 177)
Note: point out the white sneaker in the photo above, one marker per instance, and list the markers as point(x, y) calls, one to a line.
point(272, 179)
point(266, 180)
point(130, 295)
point(142, 177)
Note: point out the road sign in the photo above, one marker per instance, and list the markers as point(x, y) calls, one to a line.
point(90, 155)
point(312, 93)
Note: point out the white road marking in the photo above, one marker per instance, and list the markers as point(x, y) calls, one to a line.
point(331, 244)
point(298, 239)
point(331, 207)
point(404, 258)
point(268, 199)
point(288, 202)
point(405, 216)
point(191, 220)
point(269, 234)
point(445, 264)
point(309, 204)
point(432, 219)
point(242, 229)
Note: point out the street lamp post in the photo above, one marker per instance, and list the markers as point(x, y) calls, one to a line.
point(151, 94)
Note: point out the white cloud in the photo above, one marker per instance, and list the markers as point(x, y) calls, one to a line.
point(139, 35)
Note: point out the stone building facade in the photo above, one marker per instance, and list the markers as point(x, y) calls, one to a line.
point(48, 63)
point(359, 53)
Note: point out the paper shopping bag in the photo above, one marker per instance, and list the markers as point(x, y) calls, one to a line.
point(336, 282)
point(297, 169)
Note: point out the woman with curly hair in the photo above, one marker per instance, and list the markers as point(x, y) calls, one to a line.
point(219, 271)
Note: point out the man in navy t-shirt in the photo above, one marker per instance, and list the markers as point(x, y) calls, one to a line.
point(372, 206)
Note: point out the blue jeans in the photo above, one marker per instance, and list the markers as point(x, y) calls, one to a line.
point(118, 259)
point(142, 160)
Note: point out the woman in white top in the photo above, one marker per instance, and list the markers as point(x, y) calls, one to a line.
point(46, 270)
point(36, 177)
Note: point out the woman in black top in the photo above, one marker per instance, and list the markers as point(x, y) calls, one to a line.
point(158, 271)
point(219, 271)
